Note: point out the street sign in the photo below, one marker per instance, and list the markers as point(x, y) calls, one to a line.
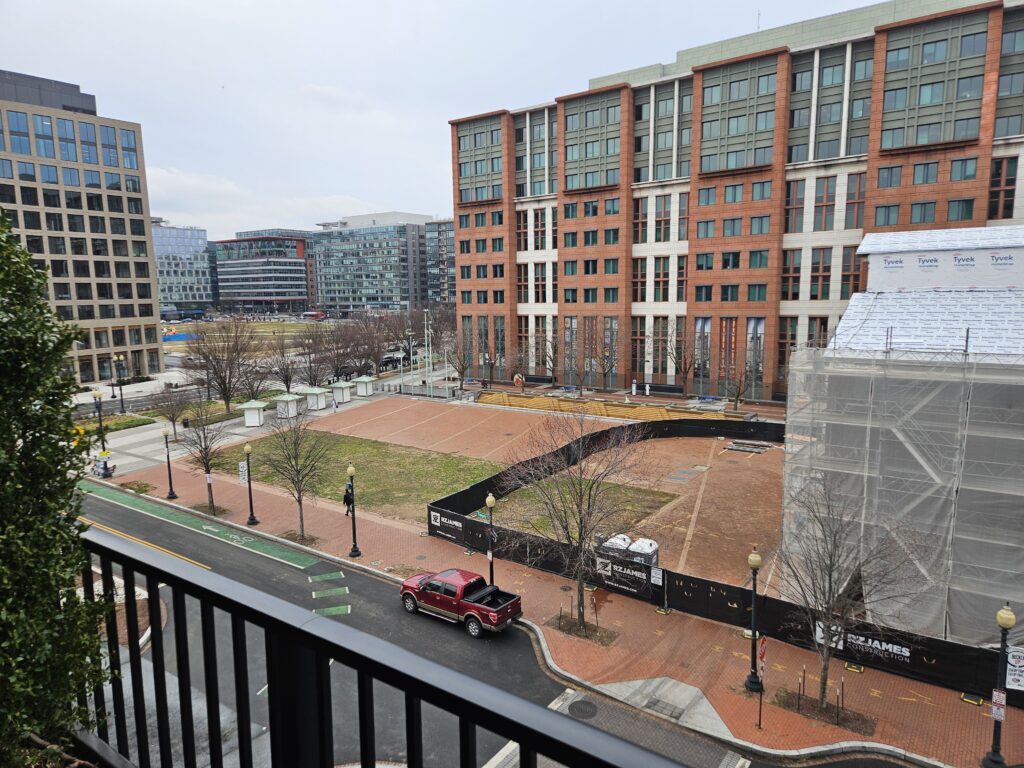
point(209, 479)
point(762, 648)
point(656, 576)
point(998, 704)
point(1015, 667)
point(490, 556)
point(243, 473)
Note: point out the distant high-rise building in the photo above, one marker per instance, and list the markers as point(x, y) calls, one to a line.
point(690, 223)
point(262, 273)
point(74, 187)
point(440, 264)
point(182, 267)
point(375, 261)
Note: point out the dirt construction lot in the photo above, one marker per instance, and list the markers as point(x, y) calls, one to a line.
point(724, 501)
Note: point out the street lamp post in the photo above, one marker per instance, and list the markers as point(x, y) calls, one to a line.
point(167, 448)
point(352, 482)
point(119, 365)
point(248, 477)
point(1006, 621)
point(490, 534)
point(97, 398)
point(753, 682)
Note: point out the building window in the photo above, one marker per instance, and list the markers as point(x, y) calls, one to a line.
point(831, 75)
point(760, 225)
point(702, 293)
point(611, 236)
point(464, 246)
point(684, 219)
point(934, 52)
point(481, 271)
point(800, 118)
point(766, 84)
point(540, 283)
point(794, 206)
point(855, 192)
point(499, 297)
point(736, 158)
point(569, 295)
point(821, 270)
point(662, 218)
point(892, 138)
point(1008, 126)
point(969, 87)
point(757, 292)
point(712, 95)
point(739, 89)
point(926, 173)
point(896, 59)
point(961, 210)
point(824, 203)
point(522, 283)
point(922, 213)
point(540, 235)
point(705, 229)
point(681, 277)
point(973, 45)
point(731, 260)
point(860, 108)
point(930, 93)
point(481, 245)
point(591, 118)
point(890, 176)
point(830, 113)
point(736, 125)
point(761, 190)
point(642, 112)
point(611, 206)
point(590, 237)
point(706, 196)
point(661, 278)
point(791, 275)
point(611, 295)
point(734, 193)
point(612, 114)
point(522, 231)
point(569, 267)
point(481, 297)
point(640, 279)
point(817, 331)
point(851, 272)
point(640, 220)
point(590, 266)
point(895, 98)
point(730, 293)
point(705, 261)
point(863, 69)
point(964, 169)
point(964, 129)
point(887, 215)
point(611, 266)
point(802, 81)
point(708, 163)
point(1002, 188)
point(797, 153)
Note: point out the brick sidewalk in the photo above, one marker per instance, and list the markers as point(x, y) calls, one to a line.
point(920, 718)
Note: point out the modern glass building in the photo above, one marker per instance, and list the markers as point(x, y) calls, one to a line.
point(73, 185)
point(182, 267)
point(440, 262)
point(373, 262)
point(260, 274)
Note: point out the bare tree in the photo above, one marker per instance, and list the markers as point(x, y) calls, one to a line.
point(283, 365)
point(371, 340)
point(222, 351)
point(459, 361)
point(256, 375)
point(839, 573)
point(173, 404)
point(680, 354)
point(339, 342)
point(549, 349)
point(735, 384)
point(569, 473)
point(313, 364)
point(202, 440)
point(297, 454)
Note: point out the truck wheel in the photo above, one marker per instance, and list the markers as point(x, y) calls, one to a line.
point(409, 603)
point(474, 627)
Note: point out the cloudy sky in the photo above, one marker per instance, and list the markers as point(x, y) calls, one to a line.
point(283, 114)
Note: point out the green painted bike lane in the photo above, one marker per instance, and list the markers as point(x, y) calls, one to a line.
point(199, 524)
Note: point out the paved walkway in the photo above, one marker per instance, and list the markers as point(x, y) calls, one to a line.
point(678, 666)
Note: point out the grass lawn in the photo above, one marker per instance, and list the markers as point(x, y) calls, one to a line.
point(517, 510)
point(393, 480)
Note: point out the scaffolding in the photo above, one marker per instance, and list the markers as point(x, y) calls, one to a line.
point(930, 442)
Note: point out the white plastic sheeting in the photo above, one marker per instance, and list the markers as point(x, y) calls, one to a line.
point(927, 441)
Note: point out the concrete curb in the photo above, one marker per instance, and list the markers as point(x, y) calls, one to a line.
point(838, 748)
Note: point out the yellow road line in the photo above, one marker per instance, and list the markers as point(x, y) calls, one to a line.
point(143, 542)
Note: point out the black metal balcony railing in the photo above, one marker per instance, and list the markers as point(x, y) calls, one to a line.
point(300, 648)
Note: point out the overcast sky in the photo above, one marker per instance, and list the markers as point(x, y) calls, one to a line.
point(261, 114)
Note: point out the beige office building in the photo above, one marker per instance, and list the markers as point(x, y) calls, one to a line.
point(73, 185)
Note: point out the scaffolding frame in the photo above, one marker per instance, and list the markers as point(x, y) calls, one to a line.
point(925, 441)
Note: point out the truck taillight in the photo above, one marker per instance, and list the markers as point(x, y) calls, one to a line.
point(492, 616)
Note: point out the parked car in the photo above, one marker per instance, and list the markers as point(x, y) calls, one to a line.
point(461, 596)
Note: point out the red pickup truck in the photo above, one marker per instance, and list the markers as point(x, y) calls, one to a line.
point(458, 595)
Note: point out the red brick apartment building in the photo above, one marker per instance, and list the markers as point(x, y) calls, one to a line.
point(688, 224)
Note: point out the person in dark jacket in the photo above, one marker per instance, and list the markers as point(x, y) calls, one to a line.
point(348, 499)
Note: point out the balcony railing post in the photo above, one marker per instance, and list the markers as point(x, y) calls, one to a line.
point(300, 703)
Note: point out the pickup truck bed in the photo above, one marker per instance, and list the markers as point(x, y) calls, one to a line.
point(461, 596)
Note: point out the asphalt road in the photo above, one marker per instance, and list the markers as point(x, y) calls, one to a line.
point(507, 660)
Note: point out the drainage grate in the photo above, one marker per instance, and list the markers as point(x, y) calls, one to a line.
point(583, 710)
point(664, 708)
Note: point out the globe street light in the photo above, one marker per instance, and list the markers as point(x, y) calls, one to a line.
point(248, 477)
point(490, 534)
point(97, 398)
point(352, 489)
point(166, 431)
point(753, 682)
point(1006, 621)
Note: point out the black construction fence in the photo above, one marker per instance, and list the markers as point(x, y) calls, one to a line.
point(931, 660)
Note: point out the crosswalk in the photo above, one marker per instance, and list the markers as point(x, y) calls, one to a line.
point(328, 593)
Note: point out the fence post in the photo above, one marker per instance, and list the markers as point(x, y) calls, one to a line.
point(299, 692)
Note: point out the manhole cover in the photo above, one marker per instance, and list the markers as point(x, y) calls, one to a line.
point(583, 710)
point(421, 557)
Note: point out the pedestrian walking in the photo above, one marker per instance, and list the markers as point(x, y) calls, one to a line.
point(334, 402)
point(348, 499)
